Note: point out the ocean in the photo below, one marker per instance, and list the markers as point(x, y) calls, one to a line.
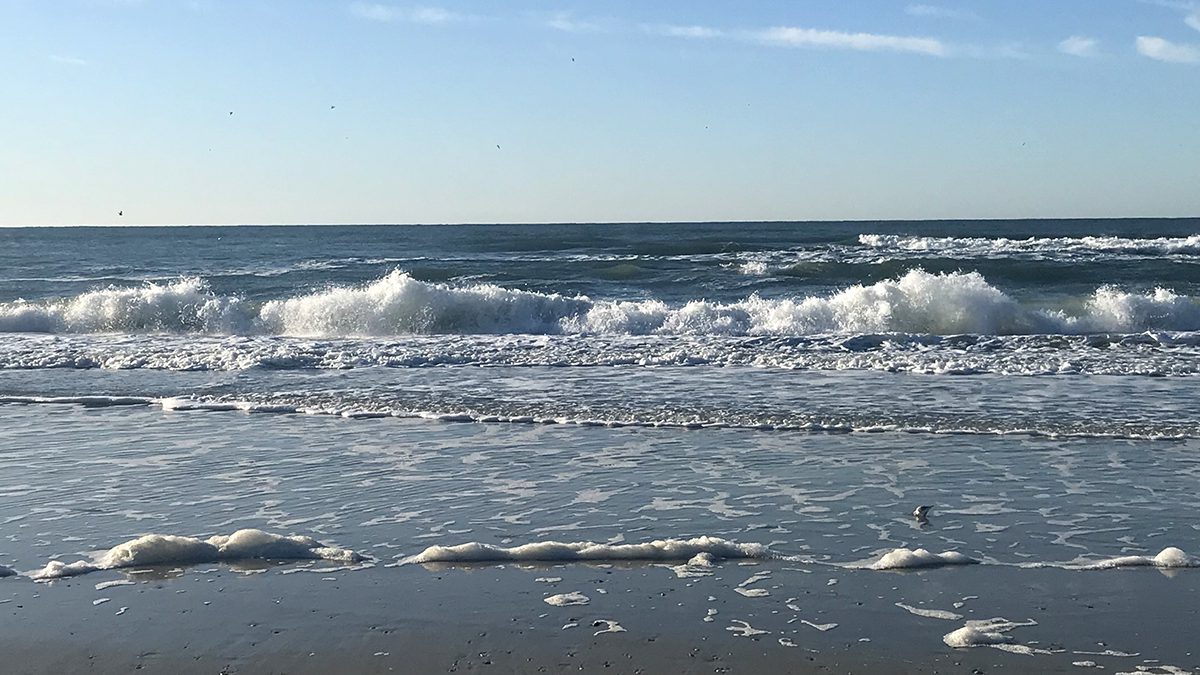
point(779, 394)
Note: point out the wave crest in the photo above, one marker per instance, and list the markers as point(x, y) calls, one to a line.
point(918, 302)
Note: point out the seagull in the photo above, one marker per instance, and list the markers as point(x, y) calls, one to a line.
point(120, 213)
point(921, 512)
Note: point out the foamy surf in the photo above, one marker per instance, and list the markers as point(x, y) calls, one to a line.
point(989, 633)
point(397, 304)
point(1060, 246)
point(554, 551)
point(903, 558)
point(1169, 558)
point(165, 549)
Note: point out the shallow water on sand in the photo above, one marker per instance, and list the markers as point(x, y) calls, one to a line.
point(77, 480)
point(80, 478)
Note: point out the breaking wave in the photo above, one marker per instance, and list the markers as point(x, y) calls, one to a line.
point(917, 302)
point(1050, 246)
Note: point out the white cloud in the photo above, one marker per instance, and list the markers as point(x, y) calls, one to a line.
point(1163, 50)
point(1191, 7)
point(697, 32)
point(568, 24)
point(787, 36)
point(425, 15)
point(1077, 45)
point(1181, 5)
point(937, 12)
point(68, 60)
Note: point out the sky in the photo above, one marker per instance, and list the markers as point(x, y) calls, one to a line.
point(325, 111)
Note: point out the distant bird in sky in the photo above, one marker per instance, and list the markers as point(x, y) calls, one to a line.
point(332, 107)
point(120, 213)
point(922, 512)
point(497, 146)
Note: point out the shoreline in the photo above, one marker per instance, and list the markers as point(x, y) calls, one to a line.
point(309, 618)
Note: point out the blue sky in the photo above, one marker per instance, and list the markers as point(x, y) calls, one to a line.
point(347, 112)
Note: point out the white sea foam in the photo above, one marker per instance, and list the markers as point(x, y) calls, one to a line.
point(1002, 246)
point(903, 558)
point(610, 626)
point(699, 565)
point(553, 551)
point(917, 302)
point(116, 582)
point(186, 305)
point(567, 599)
point(743, 629)
point(161, 549)
point(1169, 557)
point(929, 613)
point(986, 632)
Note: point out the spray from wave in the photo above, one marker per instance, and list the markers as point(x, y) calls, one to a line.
point(917, 302)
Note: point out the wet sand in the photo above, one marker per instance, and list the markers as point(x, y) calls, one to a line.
point(492, 618)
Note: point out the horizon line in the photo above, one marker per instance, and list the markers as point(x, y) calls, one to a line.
point(609, 222)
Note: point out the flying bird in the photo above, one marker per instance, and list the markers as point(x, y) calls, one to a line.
point(120, 213)
point(922, 512)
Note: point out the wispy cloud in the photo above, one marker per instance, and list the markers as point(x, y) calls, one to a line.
point(1077, 45)
point(1163, 50)
point(938, 12)
point(68, 60)
point(789, 36)
point(418, 14)
point(1181, 5)
point(778, 36)
point(567, 23)
point(1191, 7)
point(695, 32)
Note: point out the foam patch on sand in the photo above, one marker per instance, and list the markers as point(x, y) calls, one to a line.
point(699, 565)
point(567, 599)
point(554, 551)
point(988, 633)
point(929, 613)
point(1169, 557)
point(166, 549)
point(903, 558)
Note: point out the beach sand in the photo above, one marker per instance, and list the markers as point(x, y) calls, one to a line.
point(313, 618)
